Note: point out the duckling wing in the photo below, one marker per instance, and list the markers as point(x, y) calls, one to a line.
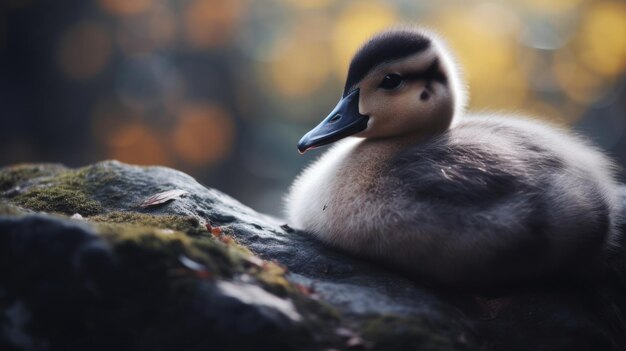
point(509, 194)
point(469, 170)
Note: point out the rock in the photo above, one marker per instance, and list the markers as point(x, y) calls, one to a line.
point(203, 271)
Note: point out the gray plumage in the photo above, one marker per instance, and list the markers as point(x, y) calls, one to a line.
point(487, 199)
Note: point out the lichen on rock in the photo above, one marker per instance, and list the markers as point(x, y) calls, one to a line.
point(12, 176)
point(56, 190)
point(186, 224)
point(206, 272)
point(144, 285)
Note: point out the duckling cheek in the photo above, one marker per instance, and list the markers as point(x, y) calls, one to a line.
point(444, 106)
point(369, 106)
point(410, 108)
point(365, 105)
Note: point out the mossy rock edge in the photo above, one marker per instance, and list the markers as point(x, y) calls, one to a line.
point(118, 275)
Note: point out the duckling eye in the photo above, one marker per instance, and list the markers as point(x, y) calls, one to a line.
point(391, 81)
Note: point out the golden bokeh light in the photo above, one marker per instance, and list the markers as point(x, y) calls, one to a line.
point(212, 23)
point(303, 66)
point(602, 46)
point(84, 50)
point(204, 134)
point(486, 50)
point(308, 4)
point(354, 25)
point(125, 7)
point(136, 143)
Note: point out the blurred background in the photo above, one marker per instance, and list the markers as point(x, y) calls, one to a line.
point(223, 89)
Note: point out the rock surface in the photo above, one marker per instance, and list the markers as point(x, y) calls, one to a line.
point(202, 271)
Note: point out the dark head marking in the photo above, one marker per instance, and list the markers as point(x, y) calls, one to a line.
point(384, 47)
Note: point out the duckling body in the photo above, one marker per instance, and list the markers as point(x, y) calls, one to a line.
point(483, 199)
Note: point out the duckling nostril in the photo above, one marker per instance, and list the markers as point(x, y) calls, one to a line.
point(335, 118)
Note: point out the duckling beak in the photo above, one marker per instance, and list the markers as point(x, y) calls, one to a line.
point(343, 121)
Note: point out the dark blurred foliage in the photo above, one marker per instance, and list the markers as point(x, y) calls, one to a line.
point(223, 89)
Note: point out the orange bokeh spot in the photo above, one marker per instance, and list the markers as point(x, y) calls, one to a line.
point(136, 143)
point(125, 7)
point(84, 50)
point(211, 23)
point(204, 134)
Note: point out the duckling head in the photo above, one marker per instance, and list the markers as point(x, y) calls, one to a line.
point(401, 83)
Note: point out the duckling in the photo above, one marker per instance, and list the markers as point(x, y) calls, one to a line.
point(415, 182)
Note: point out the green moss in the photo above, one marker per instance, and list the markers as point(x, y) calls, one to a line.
point(12, 176)
point(58, 199)
point(221, 257)
point(149, 246)
point(162, 258)
point(102, 176)
point(140, 241)
point(61, 193)
point(186, 224)
point(272, 278)
point(168, 246)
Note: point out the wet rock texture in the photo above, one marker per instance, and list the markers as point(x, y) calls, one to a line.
point(85, 264)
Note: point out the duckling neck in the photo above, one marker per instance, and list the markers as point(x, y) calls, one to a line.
point(399, 142)
point(368, 160)
point(371, 155)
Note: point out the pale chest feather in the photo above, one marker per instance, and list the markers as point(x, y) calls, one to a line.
point(346, 191)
